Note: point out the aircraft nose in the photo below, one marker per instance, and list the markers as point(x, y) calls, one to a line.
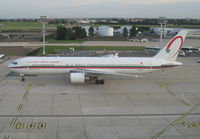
point(10, 66)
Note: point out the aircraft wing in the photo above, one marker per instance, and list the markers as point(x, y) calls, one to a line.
point(96, 73)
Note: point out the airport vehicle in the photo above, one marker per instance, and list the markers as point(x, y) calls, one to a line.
point(144, 40)
point(2, 57)
point(190, 49)
point(152, 49)
point(81, 69)
point(181, 53)
point(156, 49)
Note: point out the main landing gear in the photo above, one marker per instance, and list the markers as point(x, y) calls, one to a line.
point(99, 82)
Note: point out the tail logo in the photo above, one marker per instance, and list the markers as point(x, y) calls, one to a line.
point(167, 50)
point(170, 44)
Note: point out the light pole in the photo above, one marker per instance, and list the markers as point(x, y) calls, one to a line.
point(43, 20)
point(161, 21)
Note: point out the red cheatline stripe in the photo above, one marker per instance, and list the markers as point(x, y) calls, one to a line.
point(92, 67)
point(178, 37)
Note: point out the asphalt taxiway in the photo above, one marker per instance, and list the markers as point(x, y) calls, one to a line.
point(164, 105)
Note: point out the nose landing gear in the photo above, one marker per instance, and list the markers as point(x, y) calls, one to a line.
point(99, 82)
point(22, 77)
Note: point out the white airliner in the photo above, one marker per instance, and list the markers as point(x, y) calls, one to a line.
point(81, 69)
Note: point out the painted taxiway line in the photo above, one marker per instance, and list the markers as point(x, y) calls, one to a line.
point(13, 122)
point(176, 121)
point(19, 107)
point(27, 91)
point(6, 137)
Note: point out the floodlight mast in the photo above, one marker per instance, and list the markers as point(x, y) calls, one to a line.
point(43, 20)
point(161, 21)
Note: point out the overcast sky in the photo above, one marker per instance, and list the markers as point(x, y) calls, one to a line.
point(100, 8)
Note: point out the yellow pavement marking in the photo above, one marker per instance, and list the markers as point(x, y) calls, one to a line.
point(181, 100)
point(6, 137)
point(170, 92)
point(20, 125)
point(41, 125)
point(184, 102)
point(27, 91)
point(29, 87)
point(165, 86)
point(175, 122)
point(31, 125)
point(25, 95)
point(19, 107)
point(183, 123)
point(13, 121)
point(194, 124)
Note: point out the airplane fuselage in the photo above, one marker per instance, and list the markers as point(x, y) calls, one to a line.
point(59, 65)
point(90, 68)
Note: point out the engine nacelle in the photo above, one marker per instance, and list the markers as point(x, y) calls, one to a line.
point(77, 77)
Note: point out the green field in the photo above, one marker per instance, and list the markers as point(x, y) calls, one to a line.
point(58, 49)
point(18, 26)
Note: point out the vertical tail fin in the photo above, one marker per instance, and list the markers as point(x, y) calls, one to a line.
point(171, 50)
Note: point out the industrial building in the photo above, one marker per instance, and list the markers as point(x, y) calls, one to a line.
point(194, 33)
point(165, 30)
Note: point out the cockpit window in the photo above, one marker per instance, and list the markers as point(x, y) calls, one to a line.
point(15, 63)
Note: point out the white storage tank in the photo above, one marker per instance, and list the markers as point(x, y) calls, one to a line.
point(105, 31)
point(122, 29)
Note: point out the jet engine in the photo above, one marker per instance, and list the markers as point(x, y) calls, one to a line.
point(77, 77)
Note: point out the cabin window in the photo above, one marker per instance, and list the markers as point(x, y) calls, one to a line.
point(15, 63)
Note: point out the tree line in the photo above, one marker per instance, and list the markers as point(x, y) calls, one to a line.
point(149, 21)
point(74, 33)
point(132, 33)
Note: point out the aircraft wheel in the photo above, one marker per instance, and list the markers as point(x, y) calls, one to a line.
point(23, 79)
point(97, 81)
point(101, 82)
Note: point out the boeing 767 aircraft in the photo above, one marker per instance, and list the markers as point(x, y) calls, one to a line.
point(81, 69)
